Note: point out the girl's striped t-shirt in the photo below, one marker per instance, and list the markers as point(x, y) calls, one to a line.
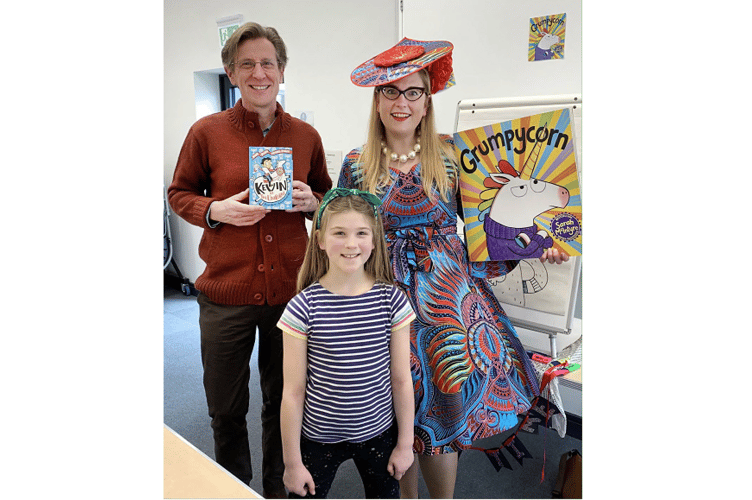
point(348, 387)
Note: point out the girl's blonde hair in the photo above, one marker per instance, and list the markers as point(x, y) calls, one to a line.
point(316, 262)
point(433, 152)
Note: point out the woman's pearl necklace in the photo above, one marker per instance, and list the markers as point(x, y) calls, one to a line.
point(402, 158)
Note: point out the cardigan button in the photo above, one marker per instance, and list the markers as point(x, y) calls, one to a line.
point(261, 268)
point(258, 297)
point(269, 238)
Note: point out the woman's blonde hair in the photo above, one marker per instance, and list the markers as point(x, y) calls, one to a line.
point(433, 152)
point(316, 262)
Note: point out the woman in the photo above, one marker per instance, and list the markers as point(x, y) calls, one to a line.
point(471, 375)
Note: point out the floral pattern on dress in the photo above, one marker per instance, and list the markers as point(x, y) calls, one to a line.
point(471, 375)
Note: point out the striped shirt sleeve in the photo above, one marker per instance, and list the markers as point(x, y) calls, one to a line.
point(402, 312)
point(294, 320)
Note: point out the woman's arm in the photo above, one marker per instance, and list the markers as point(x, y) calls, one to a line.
point(295, 367)
point(404, 402)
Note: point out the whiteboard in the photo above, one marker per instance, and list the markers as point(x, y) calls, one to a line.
point(535, 296)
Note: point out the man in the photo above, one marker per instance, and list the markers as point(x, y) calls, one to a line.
point(252, 254)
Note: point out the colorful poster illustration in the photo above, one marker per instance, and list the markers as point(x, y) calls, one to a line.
point(546, 40)
point(270, 174)
point(520, 188)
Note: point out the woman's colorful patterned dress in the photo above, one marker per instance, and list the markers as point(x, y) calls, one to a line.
point(471, 374)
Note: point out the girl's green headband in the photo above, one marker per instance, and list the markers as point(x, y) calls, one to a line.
point(342, 192)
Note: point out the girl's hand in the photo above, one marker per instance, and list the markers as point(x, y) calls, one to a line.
point(400, 460)
point(553, 256)
point(298, 480)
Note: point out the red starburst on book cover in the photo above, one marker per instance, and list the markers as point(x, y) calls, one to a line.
point(398, 54)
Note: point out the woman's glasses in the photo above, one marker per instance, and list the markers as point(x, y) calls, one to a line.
point(393, 93)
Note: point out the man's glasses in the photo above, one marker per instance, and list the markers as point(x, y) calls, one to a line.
point(249, 65)
point(393, 93)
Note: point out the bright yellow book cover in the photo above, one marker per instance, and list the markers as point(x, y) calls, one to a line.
point(520, 188)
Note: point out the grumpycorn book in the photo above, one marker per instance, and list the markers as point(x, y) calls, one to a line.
point(520, 188)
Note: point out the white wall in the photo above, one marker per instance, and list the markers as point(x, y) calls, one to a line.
point(206, 85)
point(326, 40)
point(490, 49)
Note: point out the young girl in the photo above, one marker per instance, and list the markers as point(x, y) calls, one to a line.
point(347, 385)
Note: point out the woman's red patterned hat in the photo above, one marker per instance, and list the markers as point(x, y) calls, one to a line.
point(406, 58)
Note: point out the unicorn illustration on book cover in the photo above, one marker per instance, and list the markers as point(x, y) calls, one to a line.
point(514, 213)
point(546, 39)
